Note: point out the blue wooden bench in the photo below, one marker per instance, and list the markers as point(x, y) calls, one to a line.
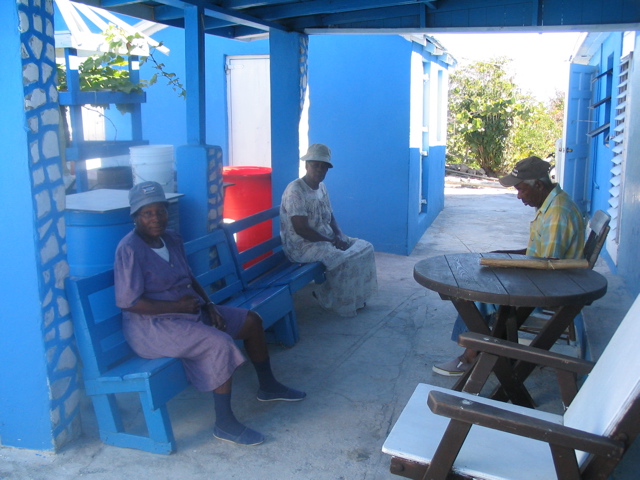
point(110, 367)
point(266, 264)
point(211, 261)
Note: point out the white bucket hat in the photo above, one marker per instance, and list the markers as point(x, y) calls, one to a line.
point(318, 153)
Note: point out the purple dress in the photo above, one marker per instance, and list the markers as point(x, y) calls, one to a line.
point(209, 355)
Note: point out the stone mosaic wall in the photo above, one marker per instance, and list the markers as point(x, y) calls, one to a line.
point(215, 197)
point(42, 116)
point(304, 68)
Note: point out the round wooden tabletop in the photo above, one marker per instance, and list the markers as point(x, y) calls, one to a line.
point(461, 276)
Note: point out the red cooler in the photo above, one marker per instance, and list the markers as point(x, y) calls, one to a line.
point(251, 193)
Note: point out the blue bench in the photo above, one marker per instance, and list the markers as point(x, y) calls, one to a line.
point(213, 265)
point(266, 264)
point(111, 367)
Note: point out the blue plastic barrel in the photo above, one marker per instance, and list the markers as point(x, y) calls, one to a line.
point(92, 238)
point(96, 222)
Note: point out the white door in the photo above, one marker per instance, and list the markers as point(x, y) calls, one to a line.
point(249, 107)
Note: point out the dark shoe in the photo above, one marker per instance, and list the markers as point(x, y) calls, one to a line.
point(289, 395)
point(454, 368)
point(248, 437)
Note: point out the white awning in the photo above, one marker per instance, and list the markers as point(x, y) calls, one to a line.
point(79, 35)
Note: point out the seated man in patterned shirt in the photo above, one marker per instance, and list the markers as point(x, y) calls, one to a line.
point(557, 231)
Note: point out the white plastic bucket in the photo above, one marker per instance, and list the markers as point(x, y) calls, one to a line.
point(153, 163)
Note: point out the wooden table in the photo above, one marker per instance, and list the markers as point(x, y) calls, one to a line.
point(518, 291)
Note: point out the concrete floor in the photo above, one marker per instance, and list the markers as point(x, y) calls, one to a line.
point(358, 374)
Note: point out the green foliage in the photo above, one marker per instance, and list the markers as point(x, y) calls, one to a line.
point(107, 72)
point(537, 132)
point(491, 123)
point(482, 112)
point(110, 70)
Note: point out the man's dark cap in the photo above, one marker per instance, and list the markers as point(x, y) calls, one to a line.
point(531, 168)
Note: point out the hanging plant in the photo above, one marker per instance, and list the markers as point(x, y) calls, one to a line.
point(109, 70)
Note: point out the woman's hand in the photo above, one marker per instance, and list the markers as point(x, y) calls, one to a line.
point(340, 243)
point(188, 304)
point(215, 320)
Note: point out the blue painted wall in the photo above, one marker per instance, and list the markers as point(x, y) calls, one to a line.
point(164, 114)
point(360, 105)
point(433, 178)
point(628, 251)
point(607, 56)
point(360, 88)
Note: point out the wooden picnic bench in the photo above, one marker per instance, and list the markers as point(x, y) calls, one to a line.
point(111, 367)
point(461, 279)
point(443, 434)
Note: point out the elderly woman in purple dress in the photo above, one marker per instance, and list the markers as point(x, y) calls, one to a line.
point(166, 313)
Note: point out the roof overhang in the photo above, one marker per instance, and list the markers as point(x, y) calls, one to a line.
point(246, 18)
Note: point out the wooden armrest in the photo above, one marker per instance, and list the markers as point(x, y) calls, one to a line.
point(476, 413)
point(526, 353)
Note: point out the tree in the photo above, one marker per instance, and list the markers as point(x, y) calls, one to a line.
point(536, 131)
point(492, 124)
point(483, 109)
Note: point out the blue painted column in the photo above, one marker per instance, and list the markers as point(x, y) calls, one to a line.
point(287, 85)
point(195, 81)
point(39, 394)
point(199, 170)
point(198, 166)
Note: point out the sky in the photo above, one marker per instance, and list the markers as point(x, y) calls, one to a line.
point(540, 60)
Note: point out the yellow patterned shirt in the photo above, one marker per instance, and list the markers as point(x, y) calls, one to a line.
point(557, 231)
